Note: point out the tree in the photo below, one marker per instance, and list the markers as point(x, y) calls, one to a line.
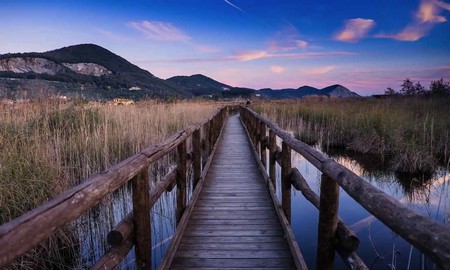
point(419, 89)
point(440, 87)
point(407, 87)
point(390, 91)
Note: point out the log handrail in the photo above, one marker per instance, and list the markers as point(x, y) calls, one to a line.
point(430, 237)
point(30, 229)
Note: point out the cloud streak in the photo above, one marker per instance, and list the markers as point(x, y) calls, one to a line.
point(255, 55)
point(355, 29)
point(426, 17)
point(277, 69)
point(319, 70)
point(157, 30)
point(234, 6)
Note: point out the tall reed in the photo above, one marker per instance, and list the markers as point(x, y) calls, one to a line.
point(47, 147)
point(411, 133)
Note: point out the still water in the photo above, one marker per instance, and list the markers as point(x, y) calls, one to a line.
point(380, 248)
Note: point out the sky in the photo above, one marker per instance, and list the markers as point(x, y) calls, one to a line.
point(364, 45)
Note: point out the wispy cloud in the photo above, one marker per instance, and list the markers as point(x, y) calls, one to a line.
point(249, 55)
point(255, 55)
point(277, 69)
point(157, 30)
point(233, 5)
point(426, 17)
point(206, 49)
point(443, 5)
point(318, 71)
point(287, 39)
point(355, 29)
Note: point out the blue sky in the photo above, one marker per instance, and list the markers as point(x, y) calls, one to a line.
point(364, 45)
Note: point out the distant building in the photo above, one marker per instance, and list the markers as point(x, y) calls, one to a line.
point(123, 101)
point(134, 88)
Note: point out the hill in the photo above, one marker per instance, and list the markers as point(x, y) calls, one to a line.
point(198, 85)
point(88, 67)
point(333, 90)
point(94, 72)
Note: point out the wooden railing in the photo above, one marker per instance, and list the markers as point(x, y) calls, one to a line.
point(431, 238)
point(27, 231)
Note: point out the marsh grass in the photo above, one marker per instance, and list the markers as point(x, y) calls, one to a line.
point(412, 134)
point(47, 147)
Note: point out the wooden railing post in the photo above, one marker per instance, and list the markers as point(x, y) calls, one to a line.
point(181, 180)
point(328, 220)
point(196, 164)
point(142, 227)
point(262, 136)
point(205, 144)
point(272, 161)
point(286, 180)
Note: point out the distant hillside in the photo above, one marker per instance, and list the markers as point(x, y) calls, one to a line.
point(93, 72)
point(101, 73)
point(339, 91)
point(334, 90)
point(198, 85)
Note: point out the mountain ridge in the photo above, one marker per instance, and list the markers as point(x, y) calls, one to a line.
point(94, 72)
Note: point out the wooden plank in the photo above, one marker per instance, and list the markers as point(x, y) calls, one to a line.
point(234, 254)
point(242, 263)
point(234, 215)
point(168, 257)
point(235, 246)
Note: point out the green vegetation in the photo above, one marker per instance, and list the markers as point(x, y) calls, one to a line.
point(409, 88)
point(51, 146)
point(411, 133)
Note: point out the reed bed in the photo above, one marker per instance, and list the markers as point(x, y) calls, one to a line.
point(47, 147)
point(410, 134)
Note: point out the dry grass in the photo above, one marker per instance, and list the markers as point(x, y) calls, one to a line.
point(49, 147)
point(413, 133)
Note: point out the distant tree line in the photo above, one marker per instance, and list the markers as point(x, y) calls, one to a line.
point(410, 88)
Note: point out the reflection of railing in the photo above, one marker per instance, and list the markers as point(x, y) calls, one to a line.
point(27, 231)
point(430, 237)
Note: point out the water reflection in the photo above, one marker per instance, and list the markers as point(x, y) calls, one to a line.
point(94, 225)
point(380, 247)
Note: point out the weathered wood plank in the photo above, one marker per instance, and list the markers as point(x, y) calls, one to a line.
point(242, 263)
point(234, 223)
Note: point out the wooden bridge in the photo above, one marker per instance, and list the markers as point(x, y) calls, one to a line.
point(233, 218)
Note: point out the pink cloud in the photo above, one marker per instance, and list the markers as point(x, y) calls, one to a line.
point(249, 55)
point(443, 5)
point(157, 30)
point(254, 55)
point(206, 49)
point(427, 13)
point(426, 17)
point(412, 32)
point(355, 29)
point(319, 70)
point(277, 69)
point(287, 39)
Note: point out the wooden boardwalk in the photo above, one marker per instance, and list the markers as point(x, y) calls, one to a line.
point(233, 223)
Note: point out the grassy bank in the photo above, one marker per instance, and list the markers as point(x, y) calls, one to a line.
point(48, 147)
point(412, 134)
